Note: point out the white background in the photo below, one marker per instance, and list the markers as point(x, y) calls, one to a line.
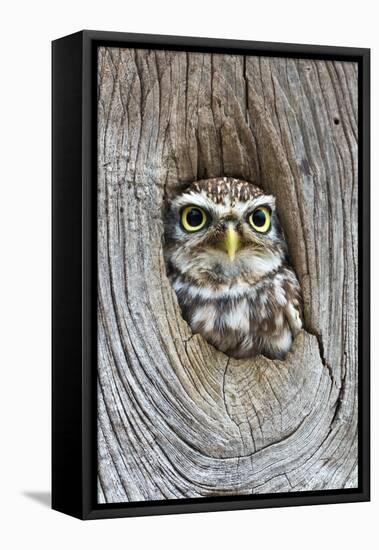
point(26, 31)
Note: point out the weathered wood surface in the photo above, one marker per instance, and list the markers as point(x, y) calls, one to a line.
point(177, 418)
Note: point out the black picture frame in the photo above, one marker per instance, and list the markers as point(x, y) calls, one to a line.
point(74, 274)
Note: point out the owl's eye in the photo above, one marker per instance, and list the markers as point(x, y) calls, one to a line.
point(260, 219)
point(193, 218)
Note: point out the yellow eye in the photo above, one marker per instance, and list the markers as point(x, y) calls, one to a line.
point(193, 218)
point(260, 219)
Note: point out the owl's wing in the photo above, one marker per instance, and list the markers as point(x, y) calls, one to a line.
point(293, 315)
point(293, 308)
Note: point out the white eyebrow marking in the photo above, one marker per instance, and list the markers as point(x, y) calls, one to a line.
point(197, 199)
point(230, 206)
point(262, 200)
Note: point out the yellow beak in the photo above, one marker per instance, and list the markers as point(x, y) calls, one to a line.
point(232, 242)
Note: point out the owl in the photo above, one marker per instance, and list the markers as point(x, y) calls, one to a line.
point(227, 260)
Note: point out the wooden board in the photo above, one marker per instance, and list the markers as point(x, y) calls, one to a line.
point(176, 418)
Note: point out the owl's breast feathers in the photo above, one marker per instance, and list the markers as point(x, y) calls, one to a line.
point(240, 318)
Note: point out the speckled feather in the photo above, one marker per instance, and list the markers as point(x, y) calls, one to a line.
point(218, 189)
point(249, 306)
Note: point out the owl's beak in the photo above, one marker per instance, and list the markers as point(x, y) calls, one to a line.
point(232, 241)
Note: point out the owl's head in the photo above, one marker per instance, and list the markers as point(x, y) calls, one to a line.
point(221, 229)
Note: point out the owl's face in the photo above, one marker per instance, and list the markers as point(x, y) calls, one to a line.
point(222, 230)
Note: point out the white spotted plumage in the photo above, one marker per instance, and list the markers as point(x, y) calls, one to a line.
point(244, 303)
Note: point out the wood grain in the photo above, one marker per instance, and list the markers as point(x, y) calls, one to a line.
point(176, 418)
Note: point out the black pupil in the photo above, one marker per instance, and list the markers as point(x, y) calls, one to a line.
point(194, 217)
point(259, 218)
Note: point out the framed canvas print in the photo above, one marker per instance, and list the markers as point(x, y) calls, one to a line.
point(210, 274)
